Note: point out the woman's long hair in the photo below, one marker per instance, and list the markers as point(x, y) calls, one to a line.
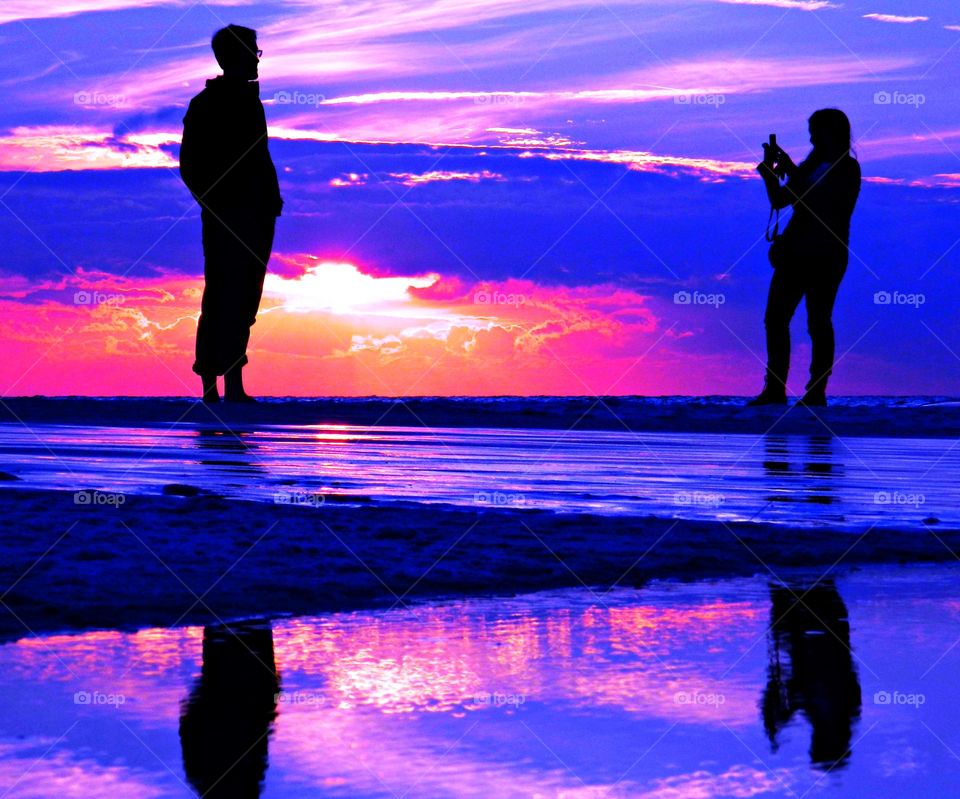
point(831, 127)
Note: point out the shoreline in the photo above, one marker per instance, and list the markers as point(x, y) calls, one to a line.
point(891, 417)
point(164, 561)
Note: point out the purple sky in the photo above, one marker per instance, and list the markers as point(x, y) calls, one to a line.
point(600, 157)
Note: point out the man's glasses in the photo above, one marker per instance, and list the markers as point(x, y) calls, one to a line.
point(259, 53)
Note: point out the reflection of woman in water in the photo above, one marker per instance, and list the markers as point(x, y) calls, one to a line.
point(813, 481)
point(811, 670)
point(226, 721)
point(812, 252)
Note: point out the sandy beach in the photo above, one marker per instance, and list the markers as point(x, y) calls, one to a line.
point(523, 564)
point(174, 559)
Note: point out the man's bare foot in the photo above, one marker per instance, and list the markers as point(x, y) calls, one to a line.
point(210, 393)
point(244, 397)
point(233, 386)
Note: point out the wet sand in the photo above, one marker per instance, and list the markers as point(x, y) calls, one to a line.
point(749, 687)
point(901, 417)
point(173, 560)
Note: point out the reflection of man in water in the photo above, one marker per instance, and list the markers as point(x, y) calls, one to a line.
point(811, 670)
point(226, 721)
point(229, 452)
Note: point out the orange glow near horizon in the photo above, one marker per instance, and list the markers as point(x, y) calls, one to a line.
point(334, 327)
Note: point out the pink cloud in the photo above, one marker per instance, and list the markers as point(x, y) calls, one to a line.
point(662, 82)
point(930, 141)
point(800, 5)
point(895, 18)
point(942, 180)
point(61, 147)
point(444, 176)
point(642, 161)
point(366, 333)
point(349, 179)
point(14, 10)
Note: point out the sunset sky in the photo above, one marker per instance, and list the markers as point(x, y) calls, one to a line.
point(481, 196)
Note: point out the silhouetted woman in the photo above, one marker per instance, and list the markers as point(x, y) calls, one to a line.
point(814, 250)
point(811, 670)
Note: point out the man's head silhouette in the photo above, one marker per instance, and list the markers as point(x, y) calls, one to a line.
point(235, 48)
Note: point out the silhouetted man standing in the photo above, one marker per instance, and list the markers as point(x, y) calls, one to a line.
point(226, 164)
point(228, 719)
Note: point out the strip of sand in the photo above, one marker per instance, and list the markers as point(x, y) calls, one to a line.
point(167, 560)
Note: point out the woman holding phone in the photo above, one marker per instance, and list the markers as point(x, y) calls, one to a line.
point(810, 257)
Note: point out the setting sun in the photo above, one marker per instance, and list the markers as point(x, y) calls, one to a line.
point(341, 288)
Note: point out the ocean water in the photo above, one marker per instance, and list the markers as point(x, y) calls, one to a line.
point(848, 482)
point(734, 688)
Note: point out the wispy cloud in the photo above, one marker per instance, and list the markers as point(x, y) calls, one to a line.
point(349, 179)
point(895, 18)
point(442, 176)
point(14, 10)
point(51, 148)
point(800, 5)
point(661, 82)
point(705, 168)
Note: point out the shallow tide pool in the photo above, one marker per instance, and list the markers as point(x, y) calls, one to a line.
point(736, 688)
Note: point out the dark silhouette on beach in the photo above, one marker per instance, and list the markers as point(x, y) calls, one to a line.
point(811, 670)
point(226, 164)
point(226, 722)
point(811, 256)
point(229, 452)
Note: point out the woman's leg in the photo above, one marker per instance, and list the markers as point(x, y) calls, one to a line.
point(786, 291)
point(821, 295)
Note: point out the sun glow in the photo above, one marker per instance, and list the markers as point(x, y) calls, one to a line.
point(341, 288)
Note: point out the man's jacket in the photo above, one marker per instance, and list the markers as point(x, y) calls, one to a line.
point(224, 159)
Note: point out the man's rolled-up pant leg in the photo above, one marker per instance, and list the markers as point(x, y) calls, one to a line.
point(260, 242)
point(236, 250)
